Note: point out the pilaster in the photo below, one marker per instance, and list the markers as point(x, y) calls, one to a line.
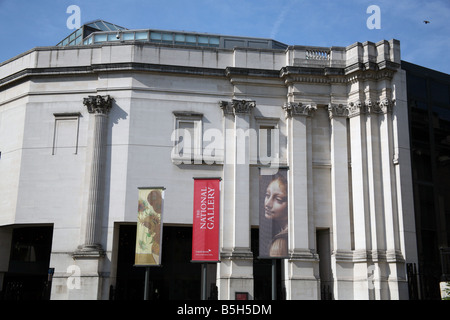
point(342, 254)
point(394, 269)
point(301, 269)
point(360, 196)
point(235, 272)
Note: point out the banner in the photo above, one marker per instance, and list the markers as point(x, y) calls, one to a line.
point(206, 222)
point(273, 215)
point(149, 227)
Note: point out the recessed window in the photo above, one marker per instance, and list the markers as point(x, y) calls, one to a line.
point(266, 134)
point(268, 147)
point(65, 135)
point(187, 138)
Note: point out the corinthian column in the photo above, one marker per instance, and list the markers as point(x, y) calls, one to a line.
point(98, 106)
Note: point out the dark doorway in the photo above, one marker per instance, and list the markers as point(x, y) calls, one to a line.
point(176, 279)
point(262, 273)
point(325, 273)
point(27, 276)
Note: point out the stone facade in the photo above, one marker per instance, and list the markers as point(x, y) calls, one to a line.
point(81, 128)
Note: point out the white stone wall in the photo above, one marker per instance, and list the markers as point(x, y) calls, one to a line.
point(339, 166)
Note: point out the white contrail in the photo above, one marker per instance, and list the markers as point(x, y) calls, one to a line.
point(280, 18)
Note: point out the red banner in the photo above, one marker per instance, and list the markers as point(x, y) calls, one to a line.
point(205, 228)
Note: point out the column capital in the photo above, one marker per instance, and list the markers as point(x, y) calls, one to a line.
point(226, 107)
point(294, 109)
point(338, 110)
point(357, 108)
point(237, 106)
point(243, 106)
point(98, 104)
point(384, 106)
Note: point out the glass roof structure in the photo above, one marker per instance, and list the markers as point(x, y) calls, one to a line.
point(76, 37)
point(99, 31)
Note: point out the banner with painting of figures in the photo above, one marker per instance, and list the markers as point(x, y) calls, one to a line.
point(273, 215)
point(149, 227)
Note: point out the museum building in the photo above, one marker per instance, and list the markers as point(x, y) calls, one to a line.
point(86, 123)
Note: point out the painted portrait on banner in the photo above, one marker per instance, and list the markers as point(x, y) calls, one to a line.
point(149, 227)
point(273, 215)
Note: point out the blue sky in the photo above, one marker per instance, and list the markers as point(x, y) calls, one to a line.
point(25, 24)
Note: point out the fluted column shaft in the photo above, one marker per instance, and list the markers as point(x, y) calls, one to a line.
point(99, 107)
point(96, 179)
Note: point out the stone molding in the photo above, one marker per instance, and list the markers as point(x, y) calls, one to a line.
point(388, 256)
point(303, 255)
point(89, 252)
point(236, 254)
point(294, 109)
point(98, 104)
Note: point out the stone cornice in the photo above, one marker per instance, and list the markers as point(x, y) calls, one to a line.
point(26, 74)
point(350, 74)
point(250, 72)
point(290, 74)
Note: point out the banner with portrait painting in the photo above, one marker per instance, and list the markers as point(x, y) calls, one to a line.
point(273, 214)
point(149, 227)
